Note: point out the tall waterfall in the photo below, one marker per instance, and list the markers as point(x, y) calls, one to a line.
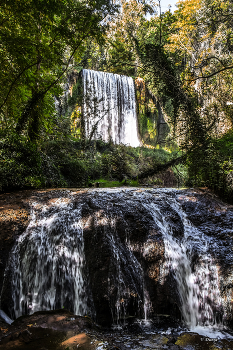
point(109, 107)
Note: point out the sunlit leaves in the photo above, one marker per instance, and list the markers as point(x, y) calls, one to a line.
point(39, 40)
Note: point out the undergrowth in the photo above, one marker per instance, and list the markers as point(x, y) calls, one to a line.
point(213, 166)
point(70, 163)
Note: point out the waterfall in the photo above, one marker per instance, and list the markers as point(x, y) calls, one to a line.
point(47, 261)
point(198, 287)
point(109, 107)
point(136, 242)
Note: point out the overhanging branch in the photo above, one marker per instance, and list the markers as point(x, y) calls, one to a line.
point(211, 74)
point(162, 167)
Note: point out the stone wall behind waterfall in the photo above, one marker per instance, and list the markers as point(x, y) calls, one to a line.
point(109, 108)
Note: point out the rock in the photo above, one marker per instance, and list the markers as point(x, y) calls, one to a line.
point(55, 330)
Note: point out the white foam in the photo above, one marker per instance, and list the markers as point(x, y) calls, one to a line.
point(4, 316)
point(211, 332)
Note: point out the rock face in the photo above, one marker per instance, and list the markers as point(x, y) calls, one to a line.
point(140, 248)
point(121, 243)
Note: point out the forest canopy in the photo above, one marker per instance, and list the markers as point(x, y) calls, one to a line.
point(183, 61)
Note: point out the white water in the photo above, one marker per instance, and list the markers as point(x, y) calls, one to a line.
point(5, 317)
point(48, 262)
point(201, 303)
point(109, 107)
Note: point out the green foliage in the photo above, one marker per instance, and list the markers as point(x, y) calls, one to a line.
point(181, 173)
point(19, 164)
point(213, 167)
point(121, 58)
point(76, 95)
point(116, 164)
point(23, 166)
point(65, 164)
point(39, 41)
point(103, 183)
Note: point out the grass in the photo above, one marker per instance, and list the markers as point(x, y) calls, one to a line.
point(103, 183)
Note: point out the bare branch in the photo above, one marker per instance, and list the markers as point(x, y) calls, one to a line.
point(210, 75)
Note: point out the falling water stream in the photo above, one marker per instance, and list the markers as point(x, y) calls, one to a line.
point(48, 261)
point(109, 107)
point(198, 288)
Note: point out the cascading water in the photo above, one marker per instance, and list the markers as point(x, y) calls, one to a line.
point(109, 107)
point(198, 288)
point(48, 260)
point(137, 242)
point(119, 308)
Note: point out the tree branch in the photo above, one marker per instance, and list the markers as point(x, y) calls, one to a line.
point(211, 74)
point(162, 167)
point(14, 81)
point(204, 62)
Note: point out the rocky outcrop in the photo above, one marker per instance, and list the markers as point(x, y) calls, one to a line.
point(62, 330)
point(122, 242)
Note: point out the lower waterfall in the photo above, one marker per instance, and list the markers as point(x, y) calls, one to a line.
point(48, 262)
point(198, 288)
point(118, 253)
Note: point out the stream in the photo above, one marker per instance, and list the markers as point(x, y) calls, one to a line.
point(152, 264)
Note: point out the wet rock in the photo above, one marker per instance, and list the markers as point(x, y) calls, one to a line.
point(55, 330)
point(196, 341)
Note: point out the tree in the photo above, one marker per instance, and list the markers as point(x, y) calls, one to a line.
point(39, 41)
point(188, 60)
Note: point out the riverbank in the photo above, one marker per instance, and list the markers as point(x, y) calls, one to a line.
point(25, 165)
point(62, 330)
